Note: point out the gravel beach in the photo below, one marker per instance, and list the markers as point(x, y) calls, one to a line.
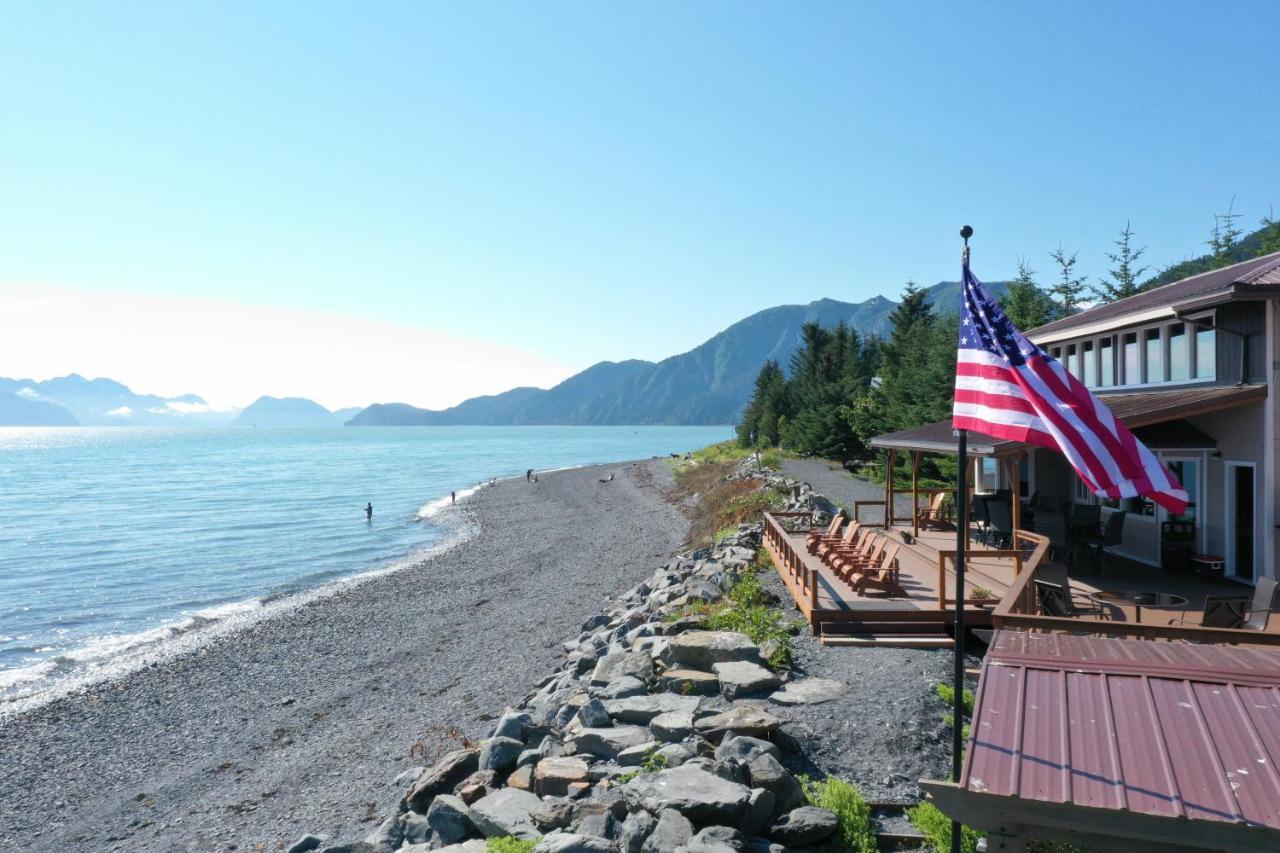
point(301, 723)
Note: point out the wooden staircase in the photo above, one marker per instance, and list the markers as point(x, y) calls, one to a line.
point(886, 631)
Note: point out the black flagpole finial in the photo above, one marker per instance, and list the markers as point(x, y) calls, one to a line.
point(966, 232)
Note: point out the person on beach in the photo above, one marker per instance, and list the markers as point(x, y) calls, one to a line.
point(368, 512)
point(453, 497)
point(528, 476)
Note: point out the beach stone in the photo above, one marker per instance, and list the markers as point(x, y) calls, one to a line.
point(449, 819)
point(671, 832)
point(642, 709)
point(672, 726)
point(635, 829)
point(809, 691)
point(634, 756)
point(555, 813)
point(596, 825)
point(522, 778)
point(442, 778)
point(416, 828)
point(512, 724)
point(759, 811)
point(352, 847)
point(617, 664)
point(704, 649)
point(744, 748)
point(741, 719)
point(305, 844)
point(621, 688)
point(474, 845)
point(675, 754)
point(387, 837)
point(743, 678)
point(592, 715)
point(500, 753)
point(476, 785)
point(527, 757)
point(717, 839)
point(692, 791)
point(574, 842)
point(406, 778)
point(507, 811)
point(765, 771)
point(607, 743)
point(553, 776)
point(804, 826)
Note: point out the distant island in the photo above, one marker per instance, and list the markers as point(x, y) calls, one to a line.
point(290, 412)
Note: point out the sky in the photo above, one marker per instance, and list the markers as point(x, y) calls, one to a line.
point(422, 202)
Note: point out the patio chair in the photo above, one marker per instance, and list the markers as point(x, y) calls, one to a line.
point(1053, 526)
point(1056, 600)
point(847, 539)
point(883, 576)
point(1264, 593)
point(1220, 611)
point(1078, 603)
point(832, 531)
point(981, 517)
point(1051, 503)
point(1112, 535)
point(846, 562)
point(1001, 522)
point(934, 514)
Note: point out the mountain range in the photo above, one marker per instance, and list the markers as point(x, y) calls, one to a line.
point(710, 384)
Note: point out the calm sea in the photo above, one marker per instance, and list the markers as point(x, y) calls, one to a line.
point(116, 543)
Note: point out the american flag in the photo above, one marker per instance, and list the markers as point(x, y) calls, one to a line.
point(1009, 388)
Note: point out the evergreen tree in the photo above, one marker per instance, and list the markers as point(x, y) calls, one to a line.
point(1125, 273)
point(1024, 302)
point(1269, 237)
point(1224, 238)
point(769, 406)
point(1069, 288)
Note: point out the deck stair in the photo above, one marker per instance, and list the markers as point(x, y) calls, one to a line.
point(913, 634)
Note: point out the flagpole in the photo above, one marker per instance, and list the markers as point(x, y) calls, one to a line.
point(962, 542)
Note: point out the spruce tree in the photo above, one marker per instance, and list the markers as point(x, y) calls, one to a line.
point(1068, 290)
point(1269, 237)
point(1224, 238)
point(1125, 273)
point(1024, 302)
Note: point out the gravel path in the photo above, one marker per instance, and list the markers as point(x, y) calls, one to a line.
point(842, 488)
point(300, 724)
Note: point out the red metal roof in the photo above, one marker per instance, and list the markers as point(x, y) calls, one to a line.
point(1165, 729)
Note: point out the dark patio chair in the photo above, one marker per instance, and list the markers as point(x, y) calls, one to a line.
point(1001, 527)
point(1264, 593)
point(1220, 611)
point(1056, 600)
point(1051, 503)
point(1056, 574)
point(1112, 535)
point(1053, 526)
point(981, 517)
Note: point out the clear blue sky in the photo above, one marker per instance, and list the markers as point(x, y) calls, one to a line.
point(585, 181)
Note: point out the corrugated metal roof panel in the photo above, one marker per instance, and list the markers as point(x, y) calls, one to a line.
point(1159, 728)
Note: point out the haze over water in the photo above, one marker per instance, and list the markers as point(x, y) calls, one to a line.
point(116, 542)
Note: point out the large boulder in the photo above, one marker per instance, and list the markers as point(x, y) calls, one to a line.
point(700, 796)
point(767, 772)
point(690, 682)
point(809, 691)
point(672, 726)
point(500, 753)
point(641, 709)
point(449, 819)
point(507, 811)
point(743, 748)
point(740, 719)
point(704, 649)
point(744, 678)
point(672, 831)
point(554, 776)
point(570, 842)
point(635, 829)
point(804, 826)
point(617, 664)
point(607, 743)
point(442, 778)
point(717, 839)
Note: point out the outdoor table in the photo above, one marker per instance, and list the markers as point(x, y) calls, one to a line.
point(1139, 600)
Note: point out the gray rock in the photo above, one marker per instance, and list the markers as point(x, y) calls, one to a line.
point(621, 688)
point(475, 845)
point(634, 756)
point(449, 818)
point(554, 776)
point(809, 691)
point(703, 649)
point(642, 709)
point(353, 847)
point(408, 777)
point(527, 757)
point(765, 771)
point(803, 826)
point(675, 754)
point(690, 682)
point(416, 828)
point(759, 811)
point(717, 839)
point(387, 837)
point(507, 811)
point(692, 791)
point(744, 748)
point(305, 844)
point(597, 825)
point(744, 678)
point(592, 715)
point(673, 830)
point(673, 726)
point(512, 724)
point(635, 829)
point(764, 845)
point(500, 753)
point(555, 813)
point(442, 778)
point(607, 743)
point(572, 842)
point(741, 719)
point(617, 664)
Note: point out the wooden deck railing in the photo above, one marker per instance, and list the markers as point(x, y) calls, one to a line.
point(857, 513)
point(775, 536)
point(1019, 610)
point(1032, 551)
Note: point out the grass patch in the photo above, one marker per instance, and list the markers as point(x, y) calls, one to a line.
point(722, 504)
point(927, 818)
point(837, 795)
point(653, 762)
point(748, 609)
point(948, 694)
point(509, 844)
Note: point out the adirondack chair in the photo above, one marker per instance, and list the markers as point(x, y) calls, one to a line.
point(832, 531)
point(883, 576)
point(845, 564)
point(933, 514)
point(846, 541)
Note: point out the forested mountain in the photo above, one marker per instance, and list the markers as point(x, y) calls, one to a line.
point(289, 412)
point(710, 384)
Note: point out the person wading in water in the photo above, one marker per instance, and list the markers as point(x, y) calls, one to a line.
point(368, 512)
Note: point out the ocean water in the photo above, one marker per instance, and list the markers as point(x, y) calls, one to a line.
point(117, 545)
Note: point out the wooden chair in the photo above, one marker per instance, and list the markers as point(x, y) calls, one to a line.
point(934, 514)
point(844, 562)
point(883, 576)
point(846, 540)
point(832, 531)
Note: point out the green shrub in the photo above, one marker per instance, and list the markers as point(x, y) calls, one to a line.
point(928, 819)
point(509, 844)
point(948, 694)
point(771, 459)
point(837, 795)
point(747, 610)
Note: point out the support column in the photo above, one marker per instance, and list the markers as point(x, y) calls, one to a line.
point(888, 491)
point(1015, 507)
point(915, 493)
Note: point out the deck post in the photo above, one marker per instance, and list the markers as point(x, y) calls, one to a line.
point(1015, 502)
point(888, 491)
point(915, 493)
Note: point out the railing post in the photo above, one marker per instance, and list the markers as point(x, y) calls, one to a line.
point(942, 581)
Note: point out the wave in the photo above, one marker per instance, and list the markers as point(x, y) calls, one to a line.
point(431, 508)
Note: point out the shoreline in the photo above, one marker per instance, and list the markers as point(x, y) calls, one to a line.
point(228, 738)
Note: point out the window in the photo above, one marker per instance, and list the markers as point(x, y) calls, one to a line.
point(1132, 360)
point(988, 474)
point(1073, 361)
point(1107, 362)
point(1178, 353)
point(1206, 354)
point(1089, 366)
point(1188, 473)
point(1056, 352)
point(1155, 357)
